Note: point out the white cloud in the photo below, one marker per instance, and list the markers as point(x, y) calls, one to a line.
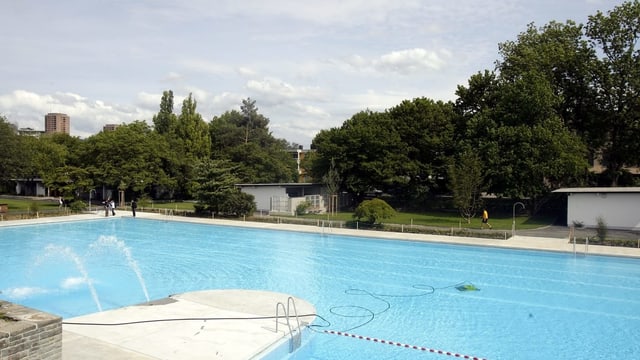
point(27, 109)
point(412, 60)
point(277, 91)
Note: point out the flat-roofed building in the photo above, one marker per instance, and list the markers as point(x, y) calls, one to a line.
point(57, 123)
point(110, 127)
point(30, 132)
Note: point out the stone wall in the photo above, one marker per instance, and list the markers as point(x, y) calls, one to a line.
point(29, 334)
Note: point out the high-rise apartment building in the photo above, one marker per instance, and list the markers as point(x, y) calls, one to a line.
point(56, 123)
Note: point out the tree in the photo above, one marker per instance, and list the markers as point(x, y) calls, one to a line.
point(216, 192)
point(190, 143)
point(251, 120)
point(193, 131)
point(10, 156)
point(244, 138)
point(165, 121)
point(426, 130)
point(373, 211)
point(615, 35)
point(43, 157)
point(332, 181)
point(513, 122)
point(466, 183)
point(367, 154)
point(137, 169)
point(561, 55)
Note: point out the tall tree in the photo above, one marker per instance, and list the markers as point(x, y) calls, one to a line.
point(368, 154)
point(245, 139)
point(561, 55)
point(137, 168)
point(519, 136)
point(615, 35)
point(467, 183)
point(426, 128)
point(165, 120)
point(216, 192)
point(10, 156)
point(193, 131)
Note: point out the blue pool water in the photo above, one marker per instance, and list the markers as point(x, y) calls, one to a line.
point(530, 305)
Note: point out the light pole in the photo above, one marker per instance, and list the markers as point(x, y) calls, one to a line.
point(513, 226)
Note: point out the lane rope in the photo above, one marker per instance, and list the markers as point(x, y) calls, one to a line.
point(395, 343)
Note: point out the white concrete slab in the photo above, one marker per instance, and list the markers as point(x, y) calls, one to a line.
point(212, 324)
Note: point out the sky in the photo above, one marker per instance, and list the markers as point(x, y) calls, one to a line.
point(309, 65)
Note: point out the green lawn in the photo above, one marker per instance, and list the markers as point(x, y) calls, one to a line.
point(167, 205)
point(29, 205)
point(446, 219)
point(438, 219)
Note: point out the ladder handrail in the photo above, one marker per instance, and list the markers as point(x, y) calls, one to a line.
point(286, 316)
point(295, 340)
point(290, 301)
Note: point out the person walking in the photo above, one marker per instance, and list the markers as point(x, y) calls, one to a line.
point(134, 206)
point(112, 206)
point(485, 219)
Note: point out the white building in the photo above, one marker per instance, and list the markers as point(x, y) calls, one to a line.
point(285, 198)
point(619, 207)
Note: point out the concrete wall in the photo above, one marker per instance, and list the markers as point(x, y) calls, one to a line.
point(29, 334)
point(619, 210)
point(263, 195)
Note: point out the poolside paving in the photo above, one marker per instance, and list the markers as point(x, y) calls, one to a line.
point(247, 338)
point(210, 324)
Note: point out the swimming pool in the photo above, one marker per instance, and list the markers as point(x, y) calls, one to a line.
point(529, 305)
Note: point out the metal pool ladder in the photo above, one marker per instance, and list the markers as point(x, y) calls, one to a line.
point(296, 334)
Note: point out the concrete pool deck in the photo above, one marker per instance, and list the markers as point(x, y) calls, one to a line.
point(237, 324)
point(210, 324)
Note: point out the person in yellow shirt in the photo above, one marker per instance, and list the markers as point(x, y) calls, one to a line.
point(485, 219)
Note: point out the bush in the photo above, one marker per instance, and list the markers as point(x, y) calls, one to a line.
point(78, 206)
point(302, 208)
point(374, 210)
point(601, 230)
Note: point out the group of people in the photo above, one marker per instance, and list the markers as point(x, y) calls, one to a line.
point(110, 206)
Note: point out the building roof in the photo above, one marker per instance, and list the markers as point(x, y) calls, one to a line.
point(279, 184)
point(631, 189)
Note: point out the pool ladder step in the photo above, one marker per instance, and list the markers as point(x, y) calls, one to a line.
point(295, 340)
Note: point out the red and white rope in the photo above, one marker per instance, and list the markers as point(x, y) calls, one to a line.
point(395, 343)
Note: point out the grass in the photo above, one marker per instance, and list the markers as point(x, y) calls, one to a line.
point(28, 205)
point(447, 219)
point(444, 219)
point(167, 205)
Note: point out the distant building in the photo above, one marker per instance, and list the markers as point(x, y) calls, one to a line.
point(110, 127)
point(57, 123)
point(618, 207)
point(284, 198)
point(30, 132)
